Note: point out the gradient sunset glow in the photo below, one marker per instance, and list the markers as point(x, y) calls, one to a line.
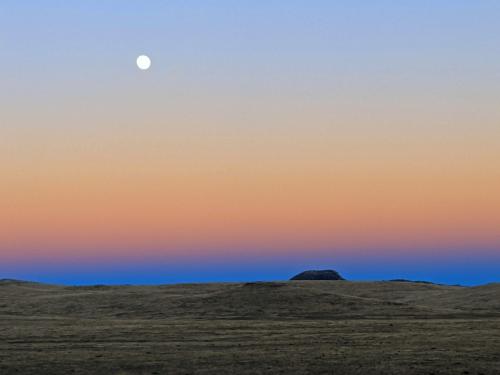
point(265, 138)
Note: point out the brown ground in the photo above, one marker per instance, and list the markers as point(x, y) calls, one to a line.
point(300, 327)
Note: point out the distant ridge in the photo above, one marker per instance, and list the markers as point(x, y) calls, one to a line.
point(419, 282)
point(22, 282)
point(411, 281)
point(15, 281)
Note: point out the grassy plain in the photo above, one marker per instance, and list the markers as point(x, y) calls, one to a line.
point(299, 327)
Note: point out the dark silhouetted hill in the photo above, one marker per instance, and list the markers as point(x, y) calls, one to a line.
point(318, 275)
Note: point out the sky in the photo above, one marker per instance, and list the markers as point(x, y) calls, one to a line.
point(266, 138)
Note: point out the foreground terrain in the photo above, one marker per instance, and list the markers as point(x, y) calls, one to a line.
point(298, 327)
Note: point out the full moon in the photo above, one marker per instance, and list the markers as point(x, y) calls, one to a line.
point(143, 62)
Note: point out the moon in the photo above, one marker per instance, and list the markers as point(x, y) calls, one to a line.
point(143, 62)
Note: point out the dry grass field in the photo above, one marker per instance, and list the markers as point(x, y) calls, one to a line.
point(299, 327)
